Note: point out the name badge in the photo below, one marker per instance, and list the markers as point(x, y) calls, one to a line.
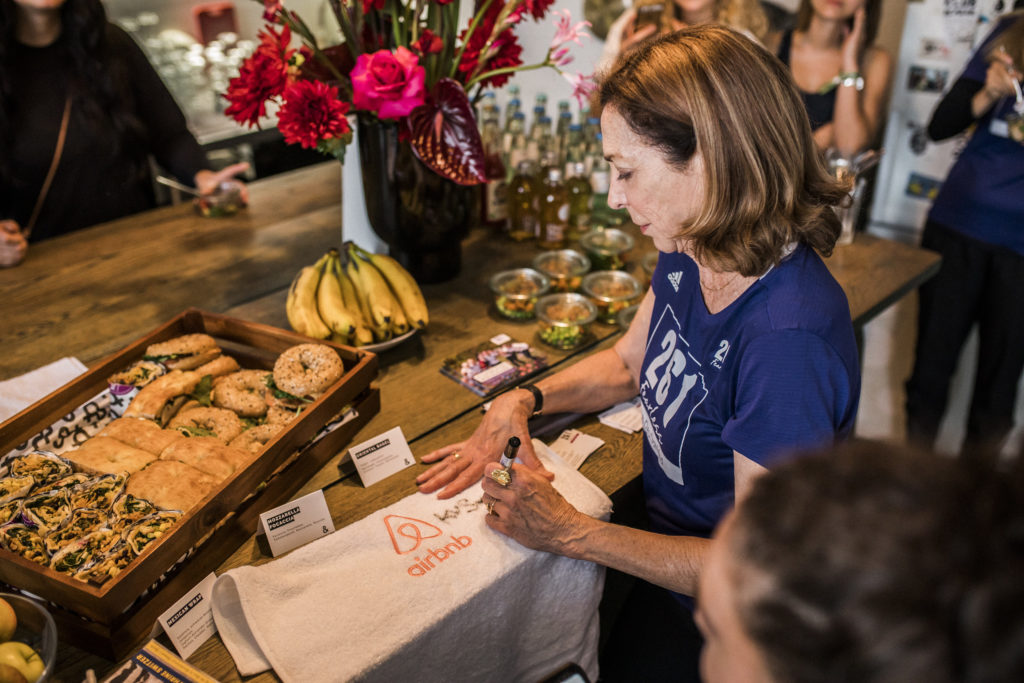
point(382, 456)
point(189, 621)
point(296, 523)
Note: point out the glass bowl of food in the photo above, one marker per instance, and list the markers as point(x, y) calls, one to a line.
point(28, 638)
point(516, 292)
point(626, 315)
point(564, 319)
point(607, 248)
point(647, 264)
point(611, 291)
point(564, 267)
point(225, 201)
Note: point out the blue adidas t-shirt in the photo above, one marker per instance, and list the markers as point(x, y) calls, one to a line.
point(983, 196)
point(776, 371)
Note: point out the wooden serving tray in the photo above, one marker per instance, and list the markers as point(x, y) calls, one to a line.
point(112, 619)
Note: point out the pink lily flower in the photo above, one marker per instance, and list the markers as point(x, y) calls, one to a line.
point(582, 86)
point(567, 31)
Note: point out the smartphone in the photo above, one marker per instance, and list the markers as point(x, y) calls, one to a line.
point(648, 15)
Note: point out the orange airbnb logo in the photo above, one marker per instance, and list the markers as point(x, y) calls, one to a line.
point(408, 534)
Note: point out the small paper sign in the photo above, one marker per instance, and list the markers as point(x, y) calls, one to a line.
point(189, 621)
point(382, 456)
point(625, 417)
point(573, 446)
point(297, 523)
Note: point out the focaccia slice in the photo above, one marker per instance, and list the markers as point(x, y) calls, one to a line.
point(141, 433)
point(171, 485)
point(207, 454)
point(104, 455)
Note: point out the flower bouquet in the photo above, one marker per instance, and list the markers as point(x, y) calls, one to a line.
point(404, 62)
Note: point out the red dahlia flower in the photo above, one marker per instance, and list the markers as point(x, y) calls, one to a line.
point(312, 113)
point(504, 52)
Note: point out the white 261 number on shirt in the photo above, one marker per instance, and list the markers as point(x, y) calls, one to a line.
point(664, 371)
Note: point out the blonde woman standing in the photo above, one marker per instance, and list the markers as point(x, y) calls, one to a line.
point(842, 76)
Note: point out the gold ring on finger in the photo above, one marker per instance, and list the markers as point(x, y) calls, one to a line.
point(503, 477)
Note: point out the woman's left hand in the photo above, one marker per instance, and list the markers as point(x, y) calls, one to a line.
point(531, 511)
point(853, 42)
point(207, 181)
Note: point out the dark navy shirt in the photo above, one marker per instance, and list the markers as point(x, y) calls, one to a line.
point(983, 195)
point(774, 372)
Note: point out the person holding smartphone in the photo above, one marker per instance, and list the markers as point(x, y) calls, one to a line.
point(842, 75)
point(647, 18)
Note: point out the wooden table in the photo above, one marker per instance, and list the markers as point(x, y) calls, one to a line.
point(89, 293)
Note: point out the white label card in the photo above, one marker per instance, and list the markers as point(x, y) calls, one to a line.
point(625, 417)
point(189, 621)
point(573, 446)
point(382, 456)
point(297, 523)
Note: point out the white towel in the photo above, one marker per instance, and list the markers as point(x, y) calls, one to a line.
point(422, 590)
point(20, 392)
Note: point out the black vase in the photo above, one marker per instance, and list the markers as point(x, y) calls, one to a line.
point(421, 216)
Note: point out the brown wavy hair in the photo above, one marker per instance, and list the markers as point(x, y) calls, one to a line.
point(712, 90)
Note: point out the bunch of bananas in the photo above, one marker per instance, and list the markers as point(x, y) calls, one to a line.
point(355, 298)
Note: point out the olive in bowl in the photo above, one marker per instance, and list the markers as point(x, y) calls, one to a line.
point(564, 319)
point(516, 292)
point(564, 267)
point(607, 248)
point(611, 291)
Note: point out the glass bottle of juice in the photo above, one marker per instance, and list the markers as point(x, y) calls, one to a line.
point(554, 210)
point(494, 209)
point(523, 217)
point(580, 197)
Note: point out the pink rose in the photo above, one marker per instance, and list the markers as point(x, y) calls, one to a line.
point(390, 84)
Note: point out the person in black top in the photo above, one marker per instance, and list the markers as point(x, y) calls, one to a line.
point(61, 59)
point(842, 76)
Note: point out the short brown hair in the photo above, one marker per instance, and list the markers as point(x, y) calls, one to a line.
point(875, 563)
point(712, 90)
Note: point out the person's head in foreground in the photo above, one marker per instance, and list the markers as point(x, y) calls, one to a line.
point(712, 152)
point(865, 565)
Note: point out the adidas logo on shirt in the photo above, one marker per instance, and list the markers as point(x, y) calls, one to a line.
point(675, 279)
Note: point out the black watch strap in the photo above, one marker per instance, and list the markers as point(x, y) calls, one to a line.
point(538, 398)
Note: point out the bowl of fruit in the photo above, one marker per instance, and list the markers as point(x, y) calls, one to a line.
point(611, 291)
point(564, 267)
point(516, 292)
point(28, 640)
point(564, 319)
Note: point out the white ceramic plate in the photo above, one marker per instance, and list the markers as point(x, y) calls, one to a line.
point(389, 344)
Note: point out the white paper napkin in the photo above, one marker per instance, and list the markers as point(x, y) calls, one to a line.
point(20, 392)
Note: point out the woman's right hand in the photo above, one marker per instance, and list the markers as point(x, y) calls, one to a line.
point(459, 466)
point(1000, 76)
point(13, 244)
